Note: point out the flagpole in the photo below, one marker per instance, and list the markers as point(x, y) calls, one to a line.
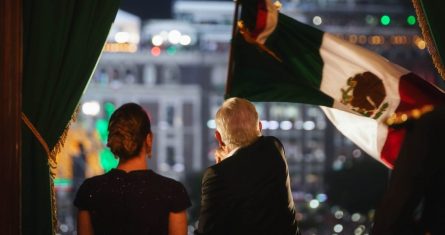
point(234, 28)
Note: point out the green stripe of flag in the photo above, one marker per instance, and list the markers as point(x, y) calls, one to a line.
point(258, 76)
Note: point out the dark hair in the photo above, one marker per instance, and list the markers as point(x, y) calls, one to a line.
point(129, 126)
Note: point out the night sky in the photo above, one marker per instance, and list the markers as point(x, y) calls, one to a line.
point(162, 9)
point(149, 9)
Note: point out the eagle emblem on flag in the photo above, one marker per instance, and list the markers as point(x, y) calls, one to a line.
point(365, 94)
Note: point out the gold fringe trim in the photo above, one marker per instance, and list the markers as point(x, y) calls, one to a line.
point(59, 145)
point(52, 160)
point(52, 163)
point(53, 206)
point(399, 118)
point(36, 133)
point(248, 37)
point(426, 33)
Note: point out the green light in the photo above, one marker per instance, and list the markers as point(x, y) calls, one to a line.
point(62, 182)
point(411, 20)
point(385, 20)
point(171, 50)
point(107, 160)
point(102, 129)
point(109, 109)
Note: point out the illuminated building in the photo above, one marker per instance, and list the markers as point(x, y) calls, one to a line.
point(177, 69)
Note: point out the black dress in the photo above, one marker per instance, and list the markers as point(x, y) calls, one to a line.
point(137, 202)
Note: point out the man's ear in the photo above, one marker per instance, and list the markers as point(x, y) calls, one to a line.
point(219, 138)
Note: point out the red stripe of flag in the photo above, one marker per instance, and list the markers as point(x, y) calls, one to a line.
point(414, 93)
point(261, 19)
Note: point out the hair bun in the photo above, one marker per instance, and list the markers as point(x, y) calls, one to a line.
point(128, 128)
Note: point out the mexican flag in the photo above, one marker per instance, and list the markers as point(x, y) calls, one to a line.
point(276, 58)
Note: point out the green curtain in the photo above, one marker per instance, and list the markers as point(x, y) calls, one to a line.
point(62, 43)
point(432, 21)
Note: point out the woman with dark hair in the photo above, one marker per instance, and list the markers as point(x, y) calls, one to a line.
point(131, 199)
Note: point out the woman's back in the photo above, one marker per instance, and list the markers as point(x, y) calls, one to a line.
point(131, 199)
point(135, 202)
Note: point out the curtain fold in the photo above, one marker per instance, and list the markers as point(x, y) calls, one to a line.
point(62, 43)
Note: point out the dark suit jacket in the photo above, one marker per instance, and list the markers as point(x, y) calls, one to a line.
point(249, 193)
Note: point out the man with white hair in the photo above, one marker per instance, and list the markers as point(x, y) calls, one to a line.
point(248, 190)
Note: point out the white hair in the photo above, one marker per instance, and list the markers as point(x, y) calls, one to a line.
point(237, 122)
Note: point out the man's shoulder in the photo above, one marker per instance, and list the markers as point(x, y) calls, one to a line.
point(272, 139)
point(264, 145)
point(224, 168)
point(217, 168)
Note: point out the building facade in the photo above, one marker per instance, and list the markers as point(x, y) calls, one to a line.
point(178, 68)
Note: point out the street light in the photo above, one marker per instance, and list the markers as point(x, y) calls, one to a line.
point(91, 108)
point(122, 37)
point(157, 40)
